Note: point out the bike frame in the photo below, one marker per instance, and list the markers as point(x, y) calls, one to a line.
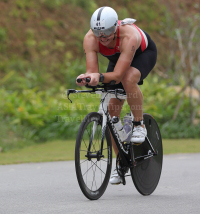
point(103, 110)
point(128, 159)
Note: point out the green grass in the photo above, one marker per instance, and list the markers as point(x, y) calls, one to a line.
point(173, 146)
point(64, 150)
point(51, 151)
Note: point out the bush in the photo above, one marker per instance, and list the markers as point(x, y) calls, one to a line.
point(38, 116)
point(160, 100)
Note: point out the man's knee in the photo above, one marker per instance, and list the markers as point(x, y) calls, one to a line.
point(132, 76)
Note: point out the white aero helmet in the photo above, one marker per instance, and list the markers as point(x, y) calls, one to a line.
point(104, 21)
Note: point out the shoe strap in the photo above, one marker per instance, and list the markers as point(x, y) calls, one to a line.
point(138, 123)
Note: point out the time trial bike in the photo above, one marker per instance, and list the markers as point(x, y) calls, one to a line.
point(93, 149)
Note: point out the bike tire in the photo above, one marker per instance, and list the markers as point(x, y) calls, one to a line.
point(146, 175)
point(93, 189)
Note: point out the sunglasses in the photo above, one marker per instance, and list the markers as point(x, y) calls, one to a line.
point(104, 33)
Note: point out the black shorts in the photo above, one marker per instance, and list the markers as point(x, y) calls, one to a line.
point(143, 61)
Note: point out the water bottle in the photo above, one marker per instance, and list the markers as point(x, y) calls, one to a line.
point(128, 126)
point(120, 129)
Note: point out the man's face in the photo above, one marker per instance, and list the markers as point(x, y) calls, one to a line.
point(105, 40)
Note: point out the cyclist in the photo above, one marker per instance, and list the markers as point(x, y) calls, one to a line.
point(132, 55)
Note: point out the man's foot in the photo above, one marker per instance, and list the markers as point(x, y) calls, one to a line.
point(139, 134)
point(115, 178)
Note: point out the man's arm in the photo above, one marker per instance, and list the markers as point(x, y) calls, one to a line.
point(90, 46)
point(128, 51)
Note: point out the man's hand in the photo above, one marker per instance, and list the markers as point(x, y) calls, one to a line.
point(93, 76)
point(83, 82)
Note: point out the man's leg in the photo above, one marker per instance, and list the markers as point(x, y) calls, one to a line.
point(114, 108)
point(135, 101)
point(134, 94)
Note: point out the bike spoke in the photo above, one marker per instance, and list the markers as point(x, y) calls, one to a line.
point(88, 133)
point(98, 167)
point(84, 161)
point(85, 144)
point(99, 133)
point(88, 169)
point(94, 181)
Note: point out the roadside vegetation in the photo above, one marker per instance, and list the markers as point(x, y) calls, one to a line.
point(64, 151)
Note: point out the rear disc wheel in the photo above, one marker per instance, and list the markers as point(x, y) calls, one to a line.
point(146, 175)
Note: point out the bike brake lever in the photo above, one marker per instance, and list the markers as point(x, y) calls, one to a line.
point(69, 91)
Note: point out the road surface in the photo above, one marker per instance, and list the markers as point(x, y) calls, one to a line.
point(52, 188)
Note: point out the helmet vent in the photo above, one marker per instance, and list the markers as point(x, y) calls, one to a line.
point(99, 13)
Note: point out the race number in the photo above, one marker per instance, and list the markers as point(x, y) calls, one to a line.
point(98, 25)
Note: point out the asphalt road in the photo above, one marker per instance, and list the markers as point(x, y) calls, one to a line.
point(45, 188)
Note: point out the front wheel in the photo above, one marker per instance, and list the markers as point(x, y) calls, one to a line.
point(147, 174)
point(93, 158)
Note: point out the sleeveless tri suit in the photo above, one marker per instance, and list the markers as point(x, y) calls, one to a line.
point(145, 56)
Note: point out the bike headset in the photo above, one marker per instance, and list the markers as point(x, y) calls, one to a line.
point(104, 22)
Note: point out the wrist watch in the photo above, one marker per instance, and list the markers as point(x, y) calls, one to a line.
point(101, 78)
